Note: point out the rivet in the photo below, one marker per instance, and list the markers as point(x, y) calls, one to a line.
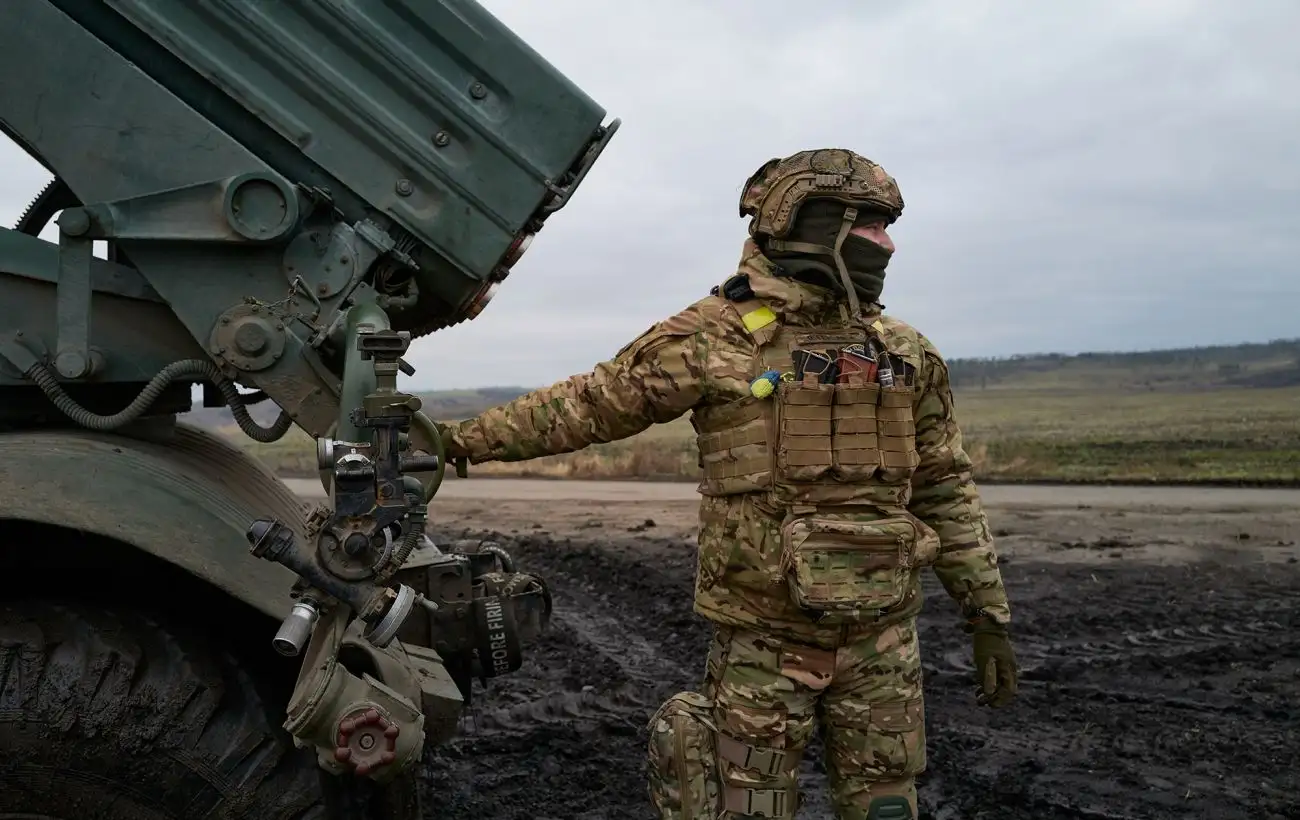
point(442, 139)
point(404, 187)
point(478, 91)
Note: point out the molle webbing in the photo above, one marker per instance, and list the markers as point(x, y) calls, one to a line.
point(807, 443)
point(736, 448)
point(857, 450)
point(805, 430)
point(897, 430)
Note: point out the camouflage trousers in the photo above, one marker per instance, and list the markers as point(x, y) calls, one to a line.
point(762, 701)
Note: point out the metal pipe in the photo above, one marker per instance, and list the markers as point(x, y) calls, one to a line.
point(358, 374)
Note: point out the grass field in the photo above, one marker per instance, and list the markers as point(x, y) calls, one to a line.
point(1013, 434)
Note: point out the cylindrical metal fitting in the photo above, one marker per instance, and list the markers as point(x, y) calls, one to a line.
point(296, 629)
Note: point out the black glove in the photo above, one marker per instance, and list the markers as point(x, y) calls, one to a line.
point(996, 672)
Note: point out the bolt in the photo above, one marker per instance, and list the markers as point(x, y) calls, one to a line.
point(322, 288)
point(225, 320)
point(74, 221)
point(442, 139)
point(251, 338)
point(404, 187)
point(478, 91)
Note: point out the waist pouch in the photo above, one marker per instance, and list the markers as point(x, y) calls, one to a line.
point(848, 571)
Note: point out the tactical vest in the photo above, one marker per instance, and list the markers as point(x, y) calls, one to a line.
point(809, 443)
point(833, 452)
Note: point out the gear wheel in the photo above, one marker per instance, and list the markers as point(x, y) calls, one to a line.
point(54, 197)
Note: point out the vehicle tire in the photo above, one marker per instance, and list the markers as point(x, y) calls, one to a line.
point(112, 715)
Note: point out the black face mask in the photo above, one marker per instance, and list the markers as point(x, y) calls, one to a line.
point(819, 224)
point(866, 262)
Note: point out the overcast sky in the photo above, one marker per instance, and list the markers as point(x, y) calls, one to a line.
point(1078, 176)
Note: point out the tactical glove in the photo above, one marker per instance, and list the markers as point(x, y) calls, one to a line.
point(996, 672)
point(420, 440)
point(454, 450)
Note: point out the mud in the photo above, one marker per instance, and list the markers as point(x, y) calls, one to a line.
point(1160, 649)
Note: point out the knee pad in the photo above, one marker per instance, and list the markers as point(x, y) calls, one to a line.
point(683, 760)
point(890, 807)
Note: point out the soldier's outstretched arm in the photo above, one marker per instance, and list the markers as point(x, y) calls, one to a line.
point(656, 378)
point(944, 495)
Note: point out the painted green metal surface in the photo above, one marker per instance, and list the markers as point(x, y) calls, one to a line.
point(267, 176)
point(187, 500)
point(412, 144)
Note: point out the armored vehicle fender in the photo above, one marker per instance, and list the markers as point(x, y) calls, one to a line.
point(128, 581)
point(184, 498)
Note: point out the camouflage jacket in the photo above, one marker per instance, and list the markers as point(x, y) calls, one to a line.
point(703, 361)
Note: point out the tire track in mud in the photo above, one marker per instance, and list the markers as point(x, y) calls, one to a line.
point(1040, 661)
point(1162, 692)
point(564, 736)
point(646, 675)
point(1154, 692)
point(618, 676)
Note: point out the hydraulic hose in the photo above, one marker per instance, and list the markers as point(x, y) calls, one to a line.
point(408, 544)
point(193, 368)
point(414, 530)
point(507, 563)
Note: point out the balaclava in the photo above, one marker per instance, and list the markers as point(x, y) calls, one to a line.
point(808, 252)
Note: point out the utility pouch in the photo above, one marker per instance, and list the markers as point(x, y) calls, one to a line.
point(855, 441)
point(803, 445)
point(683, 759)
point(848, 570)
point(897, 431)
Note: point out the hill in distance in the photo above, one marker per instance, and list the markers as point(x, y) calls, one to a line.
point(1273, 364)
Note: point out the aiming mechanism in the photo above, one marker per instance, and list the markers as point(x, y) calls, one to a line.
point(290, 193)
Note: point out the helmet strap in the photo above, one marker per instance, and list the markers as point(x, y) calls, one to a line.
point(850, 214)
point(846, 224)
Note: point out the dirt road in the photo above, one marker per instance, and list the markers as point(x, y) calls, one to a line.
point(527, 489)
point(1158, 629)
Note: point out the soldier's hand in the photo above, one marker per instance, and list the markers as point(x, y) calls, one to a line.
point(995, 663)
point(420, 440)
point(454, 450)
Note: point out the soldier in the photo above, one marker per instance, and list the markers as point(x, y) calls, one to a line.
point(833, 474)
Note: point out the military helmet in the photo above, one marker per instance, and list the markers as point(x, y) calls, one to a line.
point(773, 194)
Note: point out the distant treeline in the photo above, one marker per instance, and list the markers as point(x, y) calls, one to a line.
point(1270, 364)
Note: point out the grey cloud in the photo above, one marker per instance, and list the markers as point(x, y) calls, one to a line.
point(1077, 175)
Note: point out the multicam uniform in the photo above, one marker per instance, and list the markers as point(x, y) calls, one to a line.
point(822, 503)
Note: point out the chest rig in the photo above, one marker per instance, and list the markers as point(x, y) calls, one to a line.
point(827, 439)
point(841, 433)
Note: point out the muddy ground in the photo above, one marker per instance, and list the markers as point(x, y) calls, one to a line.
point(1160, 646)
